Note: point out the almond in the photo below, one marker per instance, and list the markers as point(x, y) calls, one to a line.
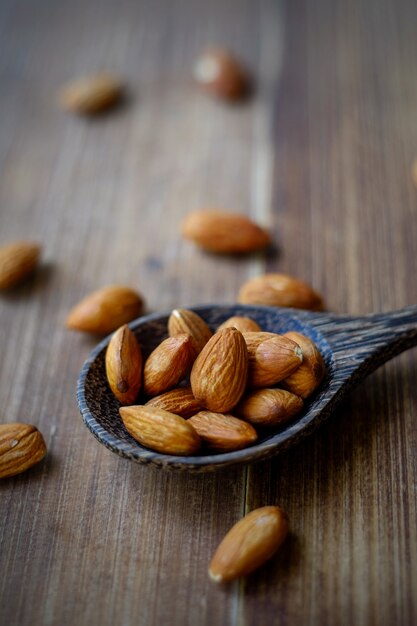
point(254, 338)
point(105, 310)
point(272, 361)
point(124, 365)
point(280, 290)
point(269, 407)
point(309, 375)
point(17, 261)
point(185, 321)
point(219, 73)
point(21, 447)
point(249, 544)
point(91, 94)
point(168, 364)
point(225, 233)
point(160, 430)
point(219, 374)
point(223, 432)
point(180, 401)
point(244, 324)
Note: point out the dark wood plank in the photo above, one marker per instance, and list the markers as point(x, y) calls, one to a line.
point(322, 155)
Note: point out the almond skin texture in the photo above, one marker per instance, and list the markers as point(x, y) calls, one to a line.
point(219, 73)
point(254, 339)
point(185, 321)
point(160, 430)
point(21, 447)
point(91, 95)
point(168, 364)
point(17, 261)
point(249, 544)
point(309, 375)
point(223, 432)
point(273, 360)
point(224, 233)
point(267, 408)
point(124, 365)
point(105, 310)
point(280, 290)
point(219, 374)
point(180, 401)
point(244, 324)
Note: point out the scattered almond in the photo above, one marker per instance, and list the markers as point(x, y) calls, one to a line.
point(219, 374)
point(269, 407)
point(280, 290)
point(17, 261)
point(185, 321)
point(180, 401)
point(91, 94)
point(244, 324)
point(160, 430)
point(225, 233)
point(105, 310)
point(21, 447)
point(223, 432)
point(309, 375)
point(168, 364)
point(222, 75)
point(249, 544)
point(124, 365)
point(272, 361)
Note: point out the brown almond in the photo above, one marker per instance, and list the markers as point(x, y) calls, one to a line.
point(223, 432)
point(21, 447)
point(18, 260)
point(219, 374)
point(90, 95)
point(242, 323)
point(222, 75)
point(254, 339)
point(249, 544)
point(280, 290)
point(185, 321)
point(269, 407)
point(309, 375)
point(273, 360)
point(168, 364)
point(180, 401)
point(224, 233)
point(160, 430)
point(124, 365)
point(105, 310)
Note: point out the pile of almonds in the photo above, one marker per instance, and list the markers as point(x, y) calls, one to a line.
point(241, 381)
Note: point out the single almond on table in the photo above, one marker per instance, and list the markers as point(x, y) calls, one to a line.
point(21, 447)
point(269, 407)
point(242, 323)
point(219, 373)
point(180, 401)
point(90, 95)
point(249, 544)
point(223, 432)
point(309, 375)
point(280, 290)
point(124, 365)
point(185, 321)
point(105, 310)
point(17, 261)
point(220, 73)
point(272, 361)
point(224, 233)
point(160, 430)
point(168, 364)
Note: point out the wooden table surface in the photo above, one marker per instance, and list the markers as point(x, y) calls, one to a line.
point(321, 155)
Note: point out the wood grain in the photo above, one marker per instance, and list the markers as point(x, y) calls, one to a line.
point(322, 156)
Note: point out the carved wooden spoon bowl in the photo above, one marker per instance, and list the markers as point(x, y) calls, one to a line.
point(352, 347)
